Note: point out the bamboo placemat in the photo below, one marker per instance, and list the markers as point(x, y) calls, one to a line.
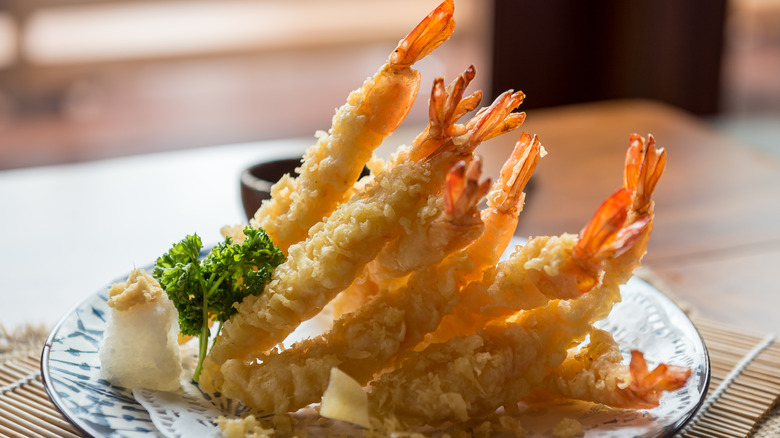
point(25, 408)
point(744, 386)
point(744, 389)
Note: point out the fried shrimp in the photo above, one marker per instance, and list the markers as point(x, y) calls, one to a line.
point(333, 164)
point(546, 268)
point(438, 230)
point(558, 267)
point(473, 375)
point(426, 241)
point(431, 326)
point(426, 244)
point(365, 342)
point(342, 245)
point(597, 373)
point(470, 376)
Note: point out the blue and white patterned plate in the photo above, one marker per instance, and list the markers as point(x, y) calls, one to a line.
point(646, 319)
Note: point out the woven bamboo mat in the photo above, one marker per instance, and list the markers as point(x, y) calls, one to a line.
point(745, 384)
point(744, 390)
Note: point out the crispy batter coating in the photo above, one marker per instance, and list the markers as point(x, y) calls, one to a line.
point(598, 373)
point(471, 376)
point(332, 165)
point(363, 343)
point(339, 248)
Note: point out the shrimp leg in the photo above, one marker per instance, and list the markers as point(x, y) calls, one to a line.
point(365, 342)
point(333, 164)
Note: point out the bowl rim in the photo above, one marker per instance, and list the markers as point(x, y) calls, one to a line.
point(252, 181)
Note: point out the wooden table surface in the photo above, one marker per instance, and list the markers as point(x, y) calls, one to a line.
point(716, 241)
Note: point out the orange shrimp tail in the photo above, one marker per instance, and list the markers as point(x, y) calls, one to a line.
point(496, 118)
point(602, 230)
point(453, 106)
point(461, 106)
point(510, 123)
point(462, 189)
point(433, 30)
point(622, 220)
point(648, 386)
point(644, 166)
point(517, 170)
point(437, 107)
point(483, 125)
point(446, 105)
point(609, 234)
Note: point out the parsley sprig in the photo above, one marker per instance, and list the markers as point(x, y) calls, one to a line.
point(210, 288)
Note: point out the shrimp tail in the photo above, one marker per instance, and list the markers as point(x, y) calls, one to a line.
point(462, 188)
point(496, 118)
point(644, 166)
point(647, 386)
point(518, 169)
point(446, 106)
point(510, 123)
point(433, 30)
point(626, 216)
point(600, 237)
point(457, 104)
point(488, 122)
point(397, 81)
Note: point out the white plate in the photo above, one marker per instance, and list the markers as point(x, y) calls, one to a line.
point(646, 319)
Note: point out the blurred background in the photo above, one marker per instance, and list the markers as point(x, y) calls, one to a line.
point(89, 79)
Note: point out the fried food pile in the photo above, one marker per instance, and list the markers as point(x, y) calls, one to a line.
point(428, 320)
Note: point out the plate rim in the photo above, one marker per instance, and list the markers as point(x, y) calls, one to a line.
point(680, 425)
point(46, 379)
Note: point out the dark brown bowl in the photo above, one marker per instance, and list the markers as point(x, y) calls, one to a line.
point(256, 182)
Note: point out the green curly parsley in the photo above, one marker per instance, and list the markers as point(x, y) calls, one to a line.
point(211, 288)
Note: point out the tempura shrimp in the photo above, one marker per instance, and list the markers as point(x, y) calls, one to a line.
point(447, 106)
point(341, 246)
point(333, 164)
point(473, 375)
point(426, 241)
point(364, 342)
point(597, 373)
point(558, 267)
point(600, 365)
point(545, 268)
